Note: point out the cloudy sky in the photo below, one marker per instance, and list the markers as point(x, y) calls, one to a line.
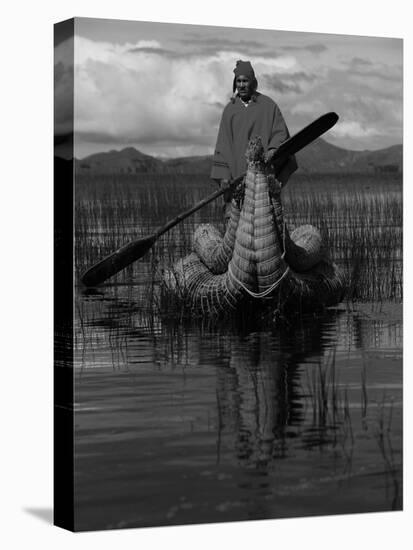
point(162, 87)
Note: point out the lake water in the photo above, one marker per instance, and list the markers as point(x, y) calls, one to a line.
point(192, 422)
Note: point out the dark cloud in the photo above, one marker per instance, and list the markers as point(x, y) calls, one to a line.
point(365, 113)
point(59, 71)
point(384, 74)
point(216, 104)
point(220, 43)
point(149, 139)
point(100, 137)
point(63, 31)
point(63, 74)
point(359, 62)
point(280, 85)
point(155, 51)
point(63, 95)
point(313, 48)
point(301, 75)
point(288, 83)
point(205, 46)
point(202, 47)
point(358, 66)
point(205, 52)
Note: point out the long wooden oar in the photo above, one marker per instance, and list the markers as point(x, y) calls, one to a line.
point(134, 250)
point(130, 252)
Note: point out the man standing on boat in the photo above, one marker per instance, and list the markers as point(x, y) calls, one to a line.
point(248, 114)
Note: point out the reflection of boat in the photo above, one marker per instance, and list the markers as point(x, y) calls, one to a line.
point(260, 385)
point(257, 258)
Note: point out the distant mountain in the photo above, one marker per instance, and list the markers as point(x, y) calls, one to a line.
point(320, 156)
point(126, 161)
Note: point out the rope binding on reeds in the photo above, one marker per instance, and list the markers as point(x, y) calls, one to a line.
point(256, 258)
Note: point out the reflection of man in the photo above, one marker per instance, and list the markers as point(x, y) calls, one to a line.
point(248, 114)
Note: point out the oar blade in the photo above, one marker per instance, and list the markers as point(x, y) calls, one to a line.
point(306, 135)
point(117, 261)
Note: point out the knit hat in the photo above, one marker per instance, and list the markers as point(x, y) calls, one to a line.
point(244, 68)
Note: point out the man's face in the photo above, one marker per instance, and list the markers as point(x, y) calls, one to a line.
point(244, 87)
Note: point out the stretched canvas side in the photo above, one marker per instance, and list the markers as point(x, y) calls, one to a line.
point(63, 276)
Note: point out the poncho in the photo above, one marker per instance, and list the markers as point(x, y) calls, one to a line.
point(238, 124)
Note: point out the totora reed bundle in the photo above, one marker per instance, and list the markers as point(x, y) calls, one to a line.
point(256, 259)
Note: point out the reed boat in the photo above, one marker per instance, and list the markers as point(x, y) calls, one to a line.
point(257, 260)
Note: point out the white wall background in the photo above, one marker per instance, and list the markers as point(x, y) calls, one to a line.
point(26, 271)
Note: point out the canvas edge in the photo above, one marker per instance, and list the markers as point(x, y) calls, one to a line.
point(63, 382)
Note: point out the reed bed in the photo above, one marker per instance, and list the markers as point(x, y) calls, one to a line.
point(336, 418)
point(360, 219)
point(110, 211)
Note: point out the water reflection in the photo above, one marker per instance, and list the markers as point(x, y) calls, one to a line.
point(233, 420)
point(259, 392)
point(185, 422)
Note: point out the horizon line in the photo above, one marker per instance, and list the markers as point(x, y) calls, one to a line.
point(211, 154)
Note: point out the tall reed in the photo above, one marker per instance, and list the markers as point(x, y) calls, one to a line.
point(360, 220)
